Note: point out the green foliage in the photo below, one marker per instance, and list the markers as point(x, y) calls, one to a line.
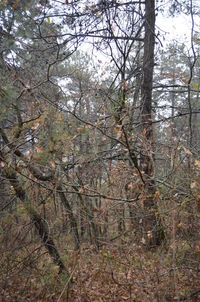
point(70, 111)
point(8, 95)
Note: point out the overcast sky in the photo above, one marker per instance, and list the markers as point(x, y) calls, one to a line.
point(179, 27)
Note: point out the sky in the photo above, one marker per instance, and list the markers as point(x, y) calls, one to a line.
point(179, 27)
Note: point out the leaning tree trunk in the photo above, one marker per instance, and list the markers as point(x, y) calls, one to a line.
point(35, 217)
point(151, 224)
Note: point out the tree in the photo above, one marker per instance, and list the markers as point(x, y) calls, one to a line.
point(90, 150)
point(152, 226)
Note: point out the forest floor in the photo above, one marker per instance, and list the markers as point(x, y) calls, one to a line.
point(122, 271)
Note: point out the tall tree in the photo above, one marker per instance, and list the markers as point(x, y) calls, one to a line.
point(152, 226)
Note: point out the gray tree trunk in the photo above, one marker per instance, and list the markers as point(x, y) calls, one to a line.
point(39, 223)
point(151, 224)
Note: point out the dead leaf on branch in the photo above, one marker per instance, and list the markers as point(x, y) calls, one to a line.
point(119, 134)
point(38, 149)
point(187, 152)
point(53, 164)
point(197, 163)
point(156, 195)
point(193, 185)
point(35, 126)
point(2, 164)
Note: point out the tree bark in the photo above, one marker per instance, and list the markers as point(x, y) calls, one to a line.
point(36, 172)
point(72, 219)
point(153, 232)
point(39, 223)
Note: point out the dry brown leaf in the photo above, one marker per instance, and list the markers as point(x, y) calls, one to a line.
point(197, 163)
point(188, 152)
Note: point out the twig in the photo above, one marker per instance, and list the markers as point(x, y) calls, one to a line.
point(192, 294)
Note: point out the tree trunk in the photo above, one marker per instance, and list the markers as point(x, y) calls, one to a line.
point(72, 219)
point(92, 227)
point(39, 223)
point(151, 224)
